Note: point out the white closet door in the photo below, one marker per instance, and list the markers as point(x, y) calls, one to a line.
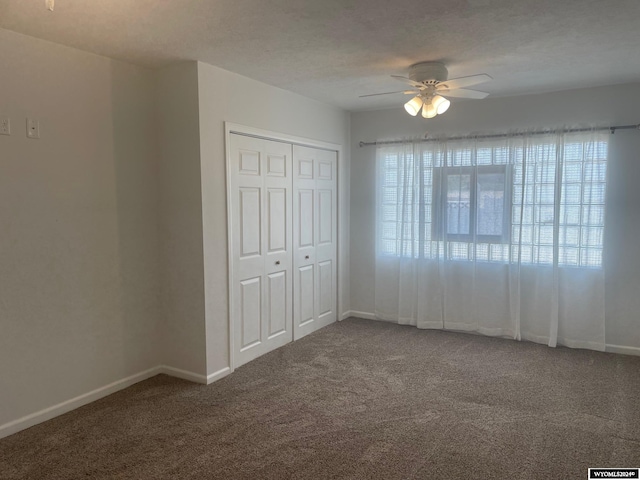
point(315, 239)
point(261, 206)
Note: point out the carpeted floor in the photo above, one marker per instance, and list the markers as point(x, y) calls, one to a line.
point(360, 400)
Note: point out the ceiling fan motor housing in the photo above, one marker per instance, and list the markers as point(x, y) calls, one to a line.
point(428, 72)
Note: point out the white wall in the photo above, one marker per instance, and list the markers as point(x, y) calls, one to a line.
point(613, 105)
point(182, 286)
point(225, 96)
point(78, 224)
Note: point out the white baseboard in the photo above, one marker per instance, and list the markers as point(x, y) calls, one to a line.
point(357, 314)
point(61, 408)
point(183, 374)
point(223, 372)
point(73, 403)
point(195, 377)
point(622, 349)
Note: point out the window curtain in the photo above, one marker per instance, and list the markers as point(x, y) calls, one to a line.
point(499, 236)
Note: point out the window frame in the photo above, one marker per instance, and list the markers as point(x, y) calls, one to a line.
point(439, 192)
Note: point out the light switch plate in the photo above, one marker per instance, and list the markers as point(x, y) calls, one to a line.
point(5, 126)
point(33, 128)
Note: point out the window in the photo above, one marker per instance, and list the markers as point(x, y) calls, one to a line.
point(537, 201)
point(475, 204)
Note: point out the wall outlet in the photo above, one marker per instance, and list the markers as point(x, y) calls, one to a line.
point(33, 128)
point(5, 126)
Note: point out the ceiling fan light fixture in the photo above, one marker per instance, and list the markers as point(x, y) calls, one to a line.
point(429, 111)
point(427, 79)
point(413, 106)
point(441, 104)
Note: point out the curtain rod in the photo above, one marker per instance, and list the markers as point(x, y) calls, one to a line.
point(612, 129)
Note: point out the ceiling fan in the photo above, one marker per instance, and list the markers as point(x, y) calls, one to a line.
point(430, 87)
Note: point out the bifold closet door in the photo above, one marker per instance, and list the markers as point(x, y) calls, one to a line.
point(261, 210)
point(315, 239)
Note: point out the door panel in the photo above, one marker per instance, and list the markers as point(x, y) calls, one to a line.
point(277, 165)
point(305, 217)
point(250, 231)
point(276, 219)
point(306, 298)
point(325, 170)
point(326, 287)
point(261, 222)
point(305, 168)
point(315, 239)
point(249, 163)
point(325, 214)
point(277, 303)
point(251, 312)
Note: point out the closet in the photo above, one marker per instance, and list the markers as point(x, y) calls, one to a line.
point(283, 272)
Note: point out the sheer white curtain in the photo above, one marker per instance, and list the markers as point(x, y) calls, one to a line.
point(501, 236)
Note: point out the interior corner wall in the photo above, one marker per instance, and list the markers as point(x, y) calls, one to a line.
point(225, 96)
point(182, 323)
point(611, 105)
point(79, 240)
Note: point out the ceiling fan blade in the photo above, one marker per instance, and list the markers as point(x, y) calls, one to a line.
point(463, 93)
point(406, 92)
point(408, 80)
point(462, 82)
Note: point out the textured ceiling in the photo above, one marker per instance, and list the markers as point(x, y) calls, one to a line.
point(335, 50)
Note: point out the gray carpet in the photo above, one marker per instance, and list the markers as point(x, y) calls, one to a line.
point(361, 400)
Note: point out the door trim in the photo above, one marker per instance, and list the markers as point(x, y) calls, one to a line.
point(229, 128)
